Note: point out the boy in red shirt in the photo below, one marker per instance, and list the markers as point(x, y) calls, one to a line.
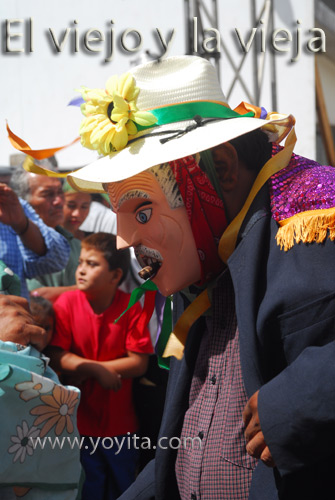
point(102, 357)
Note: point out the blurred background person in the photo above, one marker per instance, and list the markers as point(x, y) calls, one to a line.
point(75, 210)
point(45, 195)
point(27, 246)
point(100, 218)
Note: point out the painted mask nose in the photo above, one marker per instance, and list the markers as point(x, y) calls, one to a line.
point(121, 243)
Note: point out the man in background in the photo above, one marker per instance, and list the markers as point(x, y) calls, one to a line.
point(45, 195)
point(27, 245)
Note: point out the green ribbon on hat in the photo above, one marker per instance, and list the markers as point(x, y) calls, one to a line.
point(187, 111)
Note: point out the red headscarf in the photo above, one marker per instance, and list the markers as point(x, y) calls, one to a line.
point(205, 212)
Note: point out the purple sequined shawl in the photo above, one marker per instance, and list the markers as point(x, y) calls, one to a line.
point(303, 186)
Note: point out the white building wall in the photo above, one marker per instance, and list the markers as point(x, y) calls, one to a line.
point(294, 81)
point(36, 86)
point(327, 76)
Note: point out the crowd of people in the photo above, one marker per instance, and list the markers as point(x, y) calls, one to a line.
point(70, 274)
point(240, 230)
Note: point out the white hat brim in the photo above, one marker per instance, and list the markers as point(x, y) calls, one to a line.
point(147, 152)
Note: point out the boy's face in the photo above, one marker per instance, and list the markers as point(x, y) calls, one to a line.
point(93, 275)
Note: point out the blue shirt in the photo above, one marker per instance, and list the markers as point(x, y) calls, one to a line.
point(26, 263)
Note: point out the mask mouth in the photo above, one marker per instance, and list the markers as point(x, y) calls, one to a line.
point(150, 260)
point(149, 272)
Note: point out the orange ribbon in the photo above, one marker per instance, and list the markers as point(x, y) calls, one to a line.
point(37, 154)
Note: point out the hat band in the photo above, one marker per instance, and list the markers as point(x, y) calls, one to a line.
point(187, 110)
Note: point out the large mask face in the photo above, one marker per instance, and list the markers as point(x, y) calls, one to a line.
point(159, 233)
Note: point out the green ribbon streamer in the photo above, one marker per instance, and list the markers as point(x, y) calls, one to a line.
point(166, 328)
point(187, 111)
point(136, 294)
point(165, 334)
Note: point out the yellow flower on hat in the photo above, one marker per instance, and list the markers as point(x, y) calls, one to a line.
point(111, 115)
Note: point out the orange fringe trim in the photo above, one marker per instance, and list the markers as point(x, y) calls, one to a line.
point(306, 227)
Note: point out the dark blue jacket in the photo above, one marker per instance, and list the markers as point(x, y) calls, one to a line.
point(285, 306)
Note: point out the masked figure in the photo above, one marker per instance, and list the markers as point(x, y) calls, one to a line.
point(243, 230)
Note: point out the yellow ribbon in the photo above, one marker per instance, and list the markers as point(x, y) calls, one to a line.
point(176, 343)
point(37, 154)
point(275, 164)
point(30, 166)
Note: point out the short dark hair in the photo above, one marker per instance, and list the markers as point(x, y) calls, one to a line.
point(106, 244)
point(39, 306)
point(253, 149)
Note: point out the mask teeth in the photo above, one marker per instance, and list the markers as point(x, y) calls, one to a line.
point(148, 272)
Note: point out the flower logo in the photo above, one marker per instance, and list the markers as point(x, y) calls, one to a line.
point(33, 388)
point(111, 115)
point(57, 411)
point(22, 442)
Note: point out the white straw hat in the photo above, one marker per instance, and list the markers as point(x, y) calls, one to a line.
point(192, 113)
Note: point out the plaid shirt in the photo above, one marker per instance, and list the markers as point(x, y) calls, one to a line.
point(220, 468)
point(26, 263)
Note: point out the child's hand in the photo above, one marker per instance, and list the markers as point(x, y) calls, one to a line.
point(108, 378)
point(75, 379)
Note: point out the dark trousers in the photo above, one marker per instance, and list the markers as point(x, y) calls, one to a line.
point(110, 469)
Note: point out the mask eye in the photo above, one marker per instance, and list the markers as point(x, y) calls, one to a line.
point(143, 216)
